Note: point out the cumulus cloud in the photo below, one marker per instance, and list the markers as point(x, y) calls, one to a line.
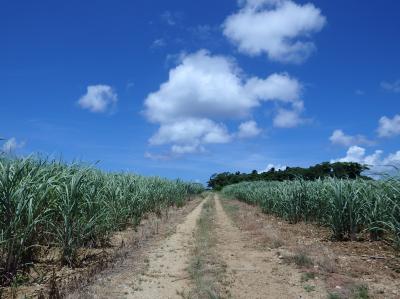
point(248, 129)
point(389, 127)
point(391, 86)
point(188, 135)
point(280, 28)
point(11, 145)
point(338, 137)
point(375, 161)
point(276, 167)
point(203, 90)
point(213, 86)
point(98, 98)
point(286, 118)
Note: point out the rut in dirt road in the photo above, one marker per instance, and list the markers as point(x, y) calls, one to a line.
point(166, 274)
point(253, 273)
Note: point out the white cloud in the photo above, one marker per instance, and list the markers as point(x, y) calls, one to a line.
point(280, 28)
point(276, 167)
point(204, 90)
point(389, 127)
point(248, 129)
point(290, 118)
point(338, 137)
point(188, 135)
point(98, 98)
point(213, 86)
point(375, 161)
point(391, 86)
point(12, 145)
point(157, 157)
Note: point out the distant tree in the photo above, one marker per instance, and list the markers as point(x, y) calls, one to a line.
point(344, 170)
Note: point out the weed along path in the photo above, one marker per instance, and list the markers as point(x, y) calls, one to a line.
point(253, 273)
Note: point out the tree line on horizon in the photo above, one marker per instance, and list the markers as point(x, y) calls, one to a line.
point(341, 170)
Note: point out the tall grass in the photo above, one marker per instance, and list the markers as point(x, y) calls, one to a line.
point(49, 203)
point(347, 207)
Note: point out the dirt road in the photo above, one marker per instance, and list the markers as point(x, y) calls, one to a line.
point(256, 273)
point(164, 274)
point(248, 272)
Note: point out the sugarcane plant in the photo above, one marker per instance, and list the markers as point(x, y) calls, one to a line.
point(51, 204)
point(348, 207)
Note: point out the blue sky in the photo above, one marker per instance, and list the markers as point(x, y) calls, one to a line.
point(189, 88)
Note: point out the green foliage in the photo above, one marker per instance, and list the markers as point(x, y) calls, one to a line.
point(309, 288)
point(49, 203)
point(360, 292)
point(347, 207)
point(343, 170)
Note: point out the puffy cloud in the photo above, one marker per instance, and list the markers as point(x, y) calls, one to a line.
point(279, 28)
point(354, 154)
point(289, 118)
point(213, 86)
point(276, 167)
point(248, 129)
point(391, 86)
point(338, 137)
point(375, 161)
point(12, 145)
point(389, 127)
point(204, 90)
point(188, 135)
point(98, 98)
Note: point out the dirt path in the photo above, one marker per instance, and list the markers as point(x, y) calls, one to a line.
point(254, 273)
point(248, 272)
point(165, 273)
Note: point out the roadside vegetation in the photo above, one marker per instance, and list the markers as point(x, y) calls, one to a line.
point(350, 208)
point(49, 204)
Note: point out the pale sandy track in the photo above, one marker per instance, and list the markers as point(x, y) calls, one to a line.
point(166, 273)
point(250, 273)
point(253, 273)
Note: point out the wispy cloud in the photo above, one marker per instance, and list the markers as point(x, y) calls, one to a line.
point(171, 18)
point(12, 144)
point(158, 43)
point(391, 86)
point(359, 92)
